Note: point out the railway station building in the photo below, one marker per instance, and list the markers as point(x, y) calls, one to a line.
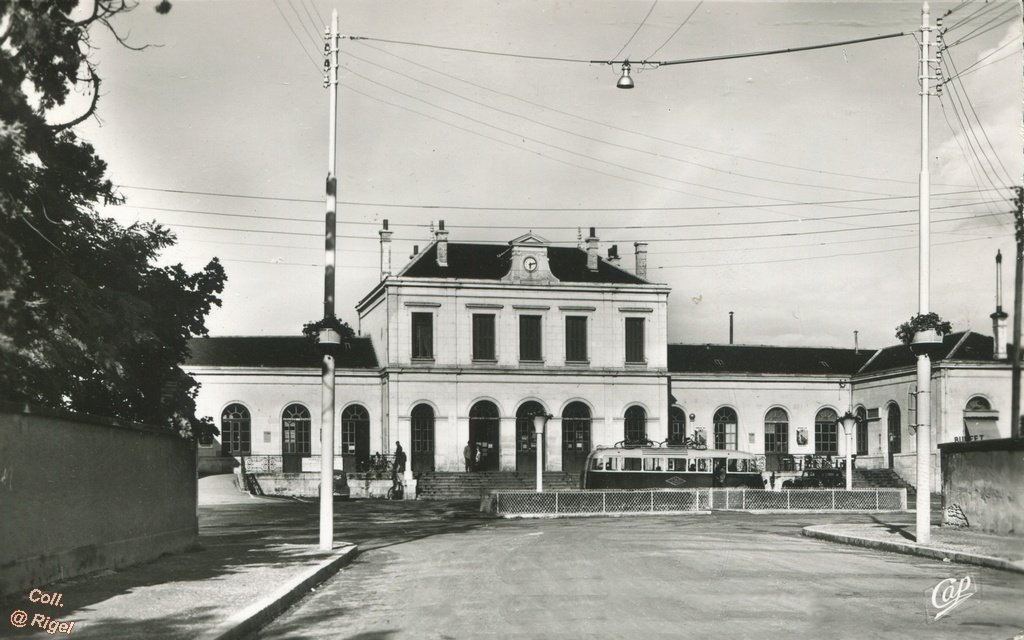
point(468, 341)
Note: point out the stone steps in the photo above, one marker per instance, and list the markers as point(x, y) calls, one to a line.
point(449, 485)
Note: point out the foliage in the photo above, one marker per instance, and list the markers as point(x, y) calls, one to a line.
point(87, 321)
point(922, 322)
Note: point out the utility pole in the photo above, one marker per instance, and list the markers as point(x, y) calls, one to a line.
point(924, 364)
point(1015, 427)
point(327, 369)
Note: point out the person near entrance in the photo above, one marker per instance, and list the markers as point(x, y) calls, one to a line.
point(469, 454)
point(397, 491)
point(399, 458)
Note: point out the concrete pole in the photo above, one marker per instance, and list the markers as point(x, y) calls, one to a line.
point(540, 460)
point(327, 367)
point(924, 368)
point(849, 461)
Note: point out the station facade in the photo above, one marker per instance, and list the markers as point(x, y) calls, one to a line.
point(468, 342)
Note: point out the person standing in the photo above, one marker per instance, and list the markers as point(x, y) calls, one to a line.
point(399, 458)
point(469, 454)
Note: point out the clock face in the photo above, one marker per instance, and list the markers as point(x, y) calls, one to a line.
point(530, 263)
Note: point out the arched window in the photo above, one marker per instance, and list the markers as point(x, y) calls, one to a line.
point(862, 431)
point(636, 425)
point(295, 430)
point(676, 425)
point(355, 426)
point(826, 433)
point(776, 431)
point(895, 436)
point(484, 425)
point(725, 428)
point(235, 431)
point(978, 403)
point(525, 440)
point(576, 428)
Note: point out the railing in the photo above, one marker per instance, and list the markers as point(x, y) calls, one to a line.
point(275, 463)
point(678, 501)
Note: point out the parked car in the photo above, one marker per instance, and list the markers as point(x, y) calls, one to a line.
point(817, 479)
point(341, 488)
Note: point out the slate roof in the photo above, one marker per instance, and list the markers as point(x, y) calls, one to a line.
point(491, 262)
point(975, 348)
point(274, 351)
point(732, 358)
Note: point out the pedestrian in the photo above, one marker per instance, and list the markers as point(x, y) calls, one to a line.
point(399, 458)
point(469, 454)
point(772, 481)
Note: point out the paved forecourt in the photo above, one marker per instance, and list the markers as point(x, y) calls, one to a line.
point(719, 575)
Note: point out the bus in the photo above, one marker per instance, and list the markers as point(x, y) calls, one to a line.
point(669, 467)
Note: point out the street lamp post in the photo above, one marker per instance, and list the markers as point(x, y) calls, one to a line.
point(540, 421)
point(849, 422)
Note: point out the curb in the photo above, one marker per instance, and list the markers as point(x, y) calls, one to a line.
point(936, 553)
point(263, 611)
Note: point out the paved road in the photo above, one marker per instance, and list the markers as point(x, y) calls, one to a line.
point(437, 571)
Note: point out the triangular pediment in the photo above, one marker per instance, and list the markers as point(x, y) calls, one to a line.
point(529, 239)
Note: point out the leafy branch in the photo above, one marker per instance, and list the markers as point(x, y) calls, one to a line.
point(922, 322)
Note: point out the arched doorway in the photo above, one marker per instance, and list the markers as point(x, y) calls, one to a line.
point(355, 438)
point(422, 438)
point(575, 437)
point(484, 423)
point(726, 424)
point(295, 437)
point(894, 431)
point(235, 431)
point(526, 441)
point(676, 425)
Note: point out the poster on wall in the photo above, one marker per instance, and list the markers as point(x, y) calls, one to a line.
point(801, 436)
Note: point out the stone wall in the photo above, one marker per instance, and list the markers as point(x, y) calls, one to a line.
point(984, 481)
point(80, 494)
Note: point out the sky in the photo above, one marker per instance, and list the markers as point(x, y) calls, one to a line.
point(782, 188)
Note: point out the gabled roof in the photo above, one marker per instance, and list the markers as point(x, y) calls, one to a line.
point(959, 346)
point(274, 351)
point(491, 262)
point(730, 358)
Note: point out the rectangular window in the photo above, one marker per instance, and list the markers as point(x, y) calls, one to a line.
point(483, 336)
point(423, 335)
point(530, 338)
point(677, 464)
point(632, 464)
point(635, 340)
point(575, 338)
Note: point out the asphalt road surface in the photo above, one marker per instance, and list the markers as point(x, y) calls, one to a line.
point(442, 571)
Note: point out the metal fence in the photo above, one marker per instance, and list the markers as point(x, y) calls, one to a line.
point(678, 501)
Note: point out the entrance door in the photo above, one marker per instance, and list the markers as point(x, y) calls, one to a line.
point(422, 438)
point(355, 438)
point(894, 431)
point(526, 441)
point(575, 437)
point(295, 436)
point(483, 433)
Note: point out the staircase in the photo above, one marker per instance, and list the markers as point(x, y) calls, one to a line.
point(439, 485)
point(879, 478)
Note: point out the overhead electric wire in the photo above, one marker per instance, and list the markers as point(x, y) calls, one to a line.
point(681, 25)
point(316, 24)
point(297, 38)
point(595, 139)
point(981, 29)
point(638, 27)
point(977, 65)
point(980, 11)
point(315, 36)
point(963, 91)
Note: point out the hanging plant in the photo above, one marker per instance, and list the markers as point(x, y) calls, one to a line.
point(922, 322)
point(329, 331)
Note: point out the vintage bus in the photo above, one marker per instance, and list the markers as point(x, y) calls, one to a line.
point(669, 467)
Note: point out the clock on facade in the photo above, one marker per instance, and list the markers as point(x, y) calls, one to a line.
point(530, 264)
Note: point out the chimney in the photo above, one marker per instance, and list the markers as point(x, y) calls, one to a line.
point(415, 251)
point(1000, 316)
point(385, 251)
point(730, 327)
point(441, 237)
point(856, 342)
point(641, 260)
point(613, 254)
point(592, 250)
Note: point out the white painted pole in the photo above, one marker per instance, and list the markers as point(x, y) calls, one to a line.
point(540, 461)
point(923, 503)
point(327, 368)
point(849, 466)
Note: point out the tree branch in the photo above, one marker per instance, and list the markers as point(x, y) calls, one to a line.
point(95, 79)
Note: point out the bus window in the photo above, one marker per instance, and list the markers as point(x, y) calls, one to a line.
point(693, 464)
point(703, 465)
point(653, 464)
point(611, 464)
point(732, 465)
point(677, 464)
point(737, 465)
point(632, 464)
point(598, 464)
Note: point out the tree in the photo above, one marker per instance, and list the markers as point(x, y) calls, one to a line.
point(88, 322)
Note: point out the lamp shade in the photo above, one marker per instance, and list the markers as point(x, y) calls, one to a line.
point(539, 421)
point(625, 82)
point(848, 421)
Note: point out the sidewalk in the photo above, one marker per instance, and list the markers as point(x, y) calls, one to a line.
point(255, 557)
point(949, 544)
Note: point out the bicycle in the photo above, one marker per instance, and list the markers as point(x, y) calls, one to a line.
point(397, 490)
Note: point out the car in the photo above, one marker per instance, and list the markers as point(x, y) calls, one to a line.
point(817, 479)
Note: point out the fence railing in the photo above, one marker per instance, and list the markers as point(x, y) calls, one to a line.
point(678, 501)
point(380, 463)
